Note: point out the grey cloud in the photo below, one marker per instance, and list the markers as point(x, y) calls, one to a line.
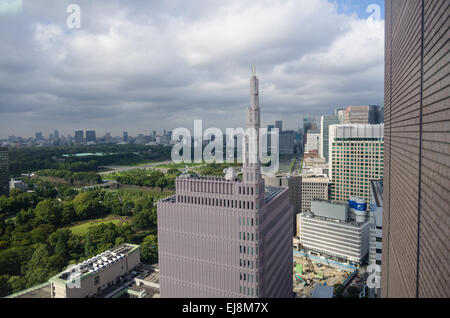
point(139, 65)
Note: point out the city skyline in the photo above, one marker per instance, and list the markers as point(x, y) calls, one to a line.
point(183, 71)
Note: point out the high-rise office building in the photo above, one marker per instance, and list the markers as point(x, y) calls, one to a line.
point(107, 138)
point(314, 187)
point(287, 142)
point(279, 125)
point(294, 184)
point(309, 123)
point(38, 136)
point(325, 122)
point(56, 134)
point(227, 237)
point(91, 136)
point(356, 158)
point(79, 136)
point(4, 171)
point(416, 210)
point(125, 136)
point(340, 113)
point(312, 141)
point(295, 198)
point(269, 142)
point(366, 114)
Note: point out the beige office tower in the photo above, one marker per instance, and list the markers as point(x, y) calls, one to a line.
point(227, 237)
point(356, 158)
point(313, 187)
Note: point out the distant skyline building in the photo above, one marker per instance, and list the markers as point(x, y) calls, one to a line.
point(91, 136)
point(279, 125)
point(79, 136)
point(325, 122)
point(309, 123)
point(107, 138)
point(227, 237)
point(340, 113)
point(125, 136)
point(312, 141)
point(356, 158)
point(269, 129)
point(367, 114)
point(4, 171)
point(286, 142)
point(39, 136)
point(416, 201)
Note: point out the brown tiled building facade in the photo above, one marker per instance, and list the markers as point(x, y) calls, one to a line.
point(415, 257)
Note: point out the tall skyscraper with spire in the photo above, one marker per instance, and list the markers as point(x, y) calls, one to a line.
point(227, 237)
point(251, 161)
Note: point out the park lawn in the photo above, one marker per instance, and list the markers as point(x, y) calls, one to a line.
point(83, 228)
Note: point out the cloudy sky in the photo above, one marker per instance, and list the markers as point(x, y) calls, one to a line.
point(140, 65)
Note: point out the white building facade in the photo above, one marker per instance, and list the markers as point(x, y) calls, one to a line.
point(327, 231)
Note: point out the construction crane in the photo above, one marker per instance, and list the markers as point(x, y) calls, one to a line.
point(310, 263)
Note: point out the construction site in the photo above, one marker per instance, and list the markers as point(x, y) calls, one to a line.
point(308, 273)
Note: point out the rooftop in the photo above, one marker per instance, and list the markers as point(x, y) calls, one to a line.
point(322, 291)
point(311, 215)
point(96, 263)
point(206, 178)
point(269, 194)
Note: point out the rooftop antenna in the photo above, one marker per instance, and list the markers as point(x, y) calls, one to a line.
point(253, 70)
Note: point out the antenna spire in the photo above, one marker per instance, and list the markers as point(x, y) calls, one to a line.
point(253, 70)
